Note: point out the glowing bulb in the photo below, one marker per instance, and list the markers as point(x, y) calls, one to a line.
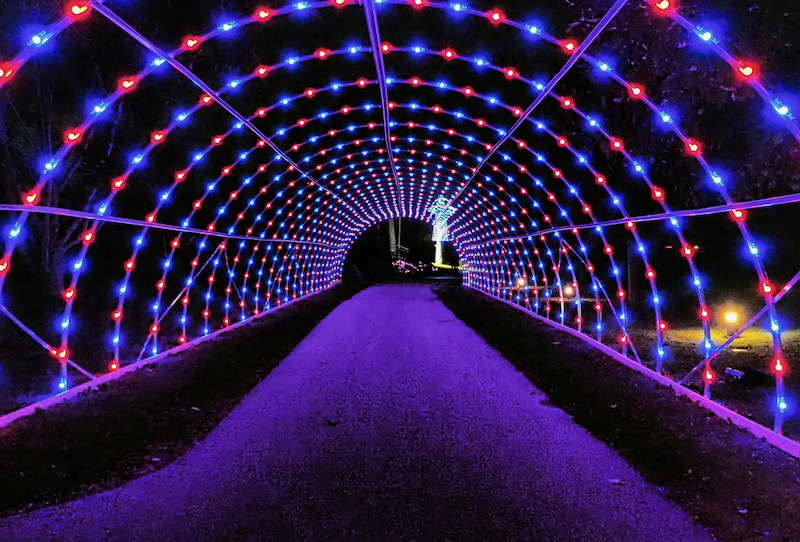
point(127, 84)
point(693, 147)
point(73, 136)
point(78, 10)
point(191, 43)
point(636, 91)
point(569, 46)
point(31, 198)
point(496, 16)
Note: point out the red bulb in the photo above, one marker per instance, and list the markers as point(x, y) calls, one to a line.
point(747, 70)
point(738, 215)
point(158, 137)
point(567, 103)
point(127, 84)
point(449, 54)
point(617, 144)
point(658, 194)
point(73, 136)
point(636, 91)
point(496, 16)
point(665, 7)
point(569, 46)
point(322, 54)
point(78, 10)
point(191, 43)
point(7, 69)
point(262, 14)
point(31, 198)
point(694, 148)
point(118, 183)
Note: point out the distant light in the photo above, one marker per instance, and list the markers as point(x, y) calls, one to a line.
point(731, 317)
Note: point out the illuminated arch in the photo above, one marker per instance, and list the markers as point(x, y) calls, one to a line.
point(276, 221)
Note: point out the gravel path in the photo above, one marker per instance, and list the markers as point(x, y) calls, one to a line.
point(392, 420)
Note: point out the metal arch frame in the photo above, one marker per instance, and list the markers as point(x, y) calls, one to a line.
point(186, 72)
point(573, 59)
point(71, 213)
point(375, 40)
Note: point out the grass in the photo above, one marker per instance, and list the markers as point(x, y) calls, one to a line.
point(736, 485)
point(752, 352)
point(146, 419)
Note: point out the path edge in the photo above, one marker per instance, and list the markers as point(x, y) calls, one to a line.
point(45, 404)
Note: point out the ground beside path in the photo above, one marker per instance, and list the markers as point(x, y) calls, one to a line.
point(391, 420)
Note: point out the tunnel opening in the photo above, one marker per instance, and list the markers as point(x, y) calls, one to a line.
point(399, 249)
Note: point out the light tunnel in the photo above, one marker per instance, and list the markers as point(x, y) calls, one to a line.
point(171, 170)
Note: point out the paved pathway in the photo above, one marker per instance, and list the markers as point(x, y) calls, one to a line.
point(392, 420)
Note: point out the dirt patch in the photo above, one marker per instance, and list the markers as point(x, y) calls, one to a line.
point(738, 486)
point(149, 418)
